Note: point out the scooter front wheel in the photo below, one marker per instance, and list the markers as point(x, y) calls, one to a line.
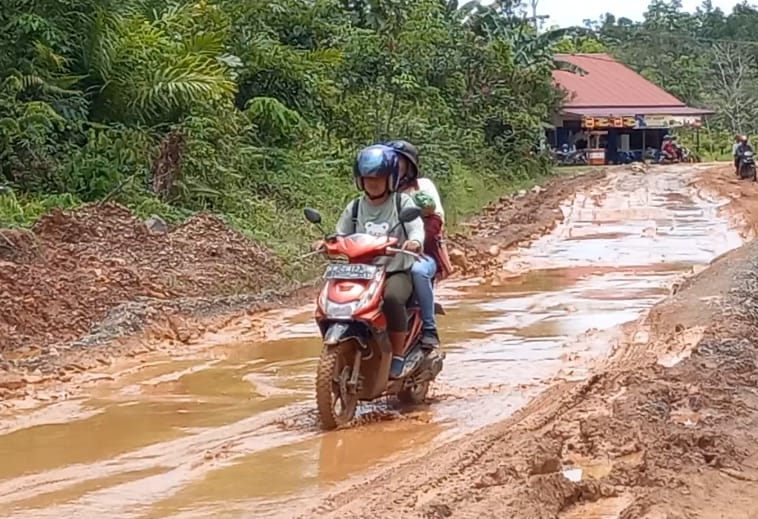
point(336, 404)
point(414, 395)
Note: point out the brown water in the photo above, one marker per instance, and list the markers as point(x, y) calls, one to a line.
point(229, 431)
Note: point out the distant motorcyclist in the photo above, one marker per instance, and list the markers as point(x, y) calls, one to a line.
point(735, 146)
point(678, 150)
point(668, 148)
point(742, 147)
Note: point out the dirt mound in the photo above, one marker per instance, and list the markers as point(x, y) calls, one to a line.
point(59, 280)
point(513, 219)
point(666, 427)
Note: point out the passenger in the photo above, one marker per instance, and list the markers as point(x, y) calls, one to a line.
point(376, 173)
point(735, 155)
point(436, 264)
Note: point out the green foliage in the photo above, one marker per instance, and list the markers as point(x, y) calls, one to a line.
point(255, 109)
point(22, 210)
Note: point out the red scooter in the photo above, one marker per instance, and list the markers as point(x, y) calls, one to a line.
point(356, 355)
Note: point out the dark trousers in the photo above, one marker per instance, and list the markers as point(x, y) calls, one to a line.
point(397, 292)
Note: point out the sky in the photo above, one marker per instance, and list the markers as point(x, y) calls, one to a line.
point(565, 12)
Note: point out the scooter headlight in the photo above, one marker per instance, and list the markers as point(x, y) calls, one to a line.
point(341, 310)
point(347, 310)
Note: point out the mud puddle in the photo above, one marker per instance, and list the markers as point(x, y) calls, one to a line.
point(229, 430)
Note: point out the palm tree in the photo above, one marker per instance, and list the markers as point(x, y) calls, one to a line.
point(147, 70)
point(120, 63)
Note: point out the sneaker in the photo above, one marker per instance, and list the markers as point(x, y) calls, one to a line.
point(396, 368)
point(430, 339)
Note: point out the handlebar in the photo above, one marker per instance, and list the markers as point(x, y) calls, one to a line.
point(312, 253)
point(403, 251)
point(389, 249)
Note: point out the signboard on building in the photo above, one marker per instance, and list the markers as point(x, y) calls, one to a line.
point(640, 121)
point(652, 121)
point(607, 122)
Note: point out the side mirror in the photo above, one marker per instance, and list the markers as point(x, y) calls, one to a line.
point(312, 216)
point(408, 214)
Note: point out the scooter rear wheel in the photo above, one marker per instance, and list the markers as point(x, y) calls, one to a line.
point(333, 371)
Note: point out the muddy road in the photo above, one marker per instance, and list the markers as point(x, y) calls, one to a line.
point(225, 427)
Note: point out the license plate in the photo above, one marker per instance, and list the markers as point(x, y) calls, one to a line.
point(350, 271)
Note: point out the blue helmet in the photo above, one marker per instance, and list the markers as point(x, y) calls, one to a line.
point(377, 160)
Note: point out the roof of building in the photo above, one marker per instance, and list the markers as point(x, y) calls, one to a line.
point(610, 85)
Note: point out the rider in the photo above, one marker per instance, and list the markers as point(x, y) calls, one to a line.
point(668, 148)
point(435, 263)
point(739, 151)
point(678, 151)
point(376, 174)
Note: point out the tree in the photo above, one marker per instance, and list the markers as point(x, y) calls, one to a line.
point(734, 80)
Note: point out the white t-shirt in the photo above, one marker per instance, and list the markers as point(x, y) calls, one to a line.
point(428, 187)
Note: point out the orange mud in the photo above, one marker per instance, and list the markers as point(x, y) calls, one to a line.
point(563, 393)
point(664, 427)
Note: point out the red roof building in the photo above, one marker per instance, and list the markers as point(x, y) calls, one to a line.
point(619, 107)
point(611, 88)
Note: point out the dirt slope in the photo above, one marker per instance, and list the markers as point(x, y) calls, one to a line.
point(743, 195)
point(62, 278)
point(665, 427)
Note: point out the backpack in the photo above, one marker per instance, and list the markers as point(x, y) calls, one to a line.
point(356, 205)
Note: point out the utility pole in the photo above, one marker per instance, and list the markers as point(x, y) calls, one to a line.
point(535, 18)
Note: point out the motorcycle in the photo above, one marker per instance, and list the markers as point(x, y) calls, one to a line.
point(684, 156)
point(747, 166)
point(688, 156)
point(356, 354)
point(570, 158)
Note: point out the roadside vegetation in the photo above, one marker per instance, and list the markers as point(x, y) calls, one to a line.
point(253, 110)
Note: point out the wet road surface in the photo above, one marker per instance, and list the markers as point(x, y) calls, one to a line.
point(230, 431)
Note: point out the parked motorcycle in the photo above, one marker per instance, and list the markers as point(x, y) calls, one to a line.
point(356, 353)
point(570, 158)
point(747, 166)
point(688, 156)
